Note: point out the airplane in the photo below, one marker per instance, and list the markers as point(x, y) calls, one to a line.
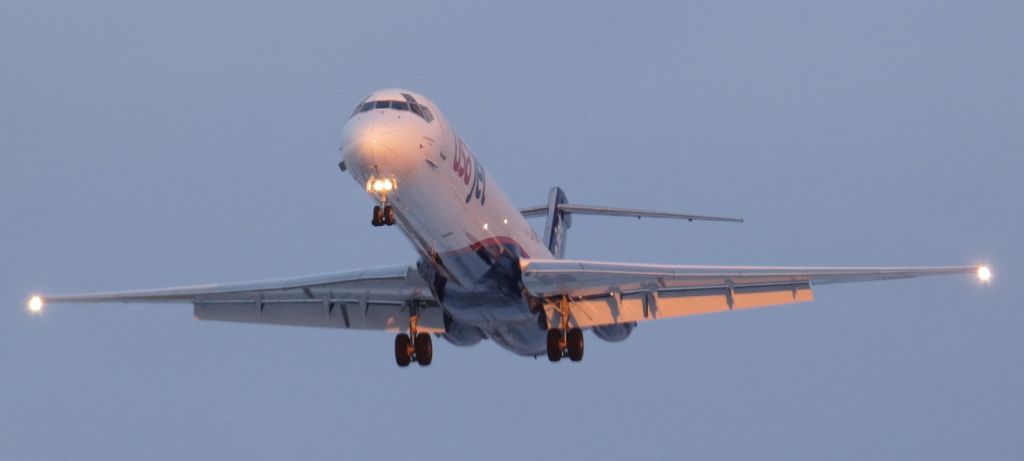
point(482, 271)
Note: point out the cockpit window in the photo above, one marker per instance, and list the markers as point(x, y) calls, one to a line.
point(422, 111)
point(426, 114)
point(359, 107)
point(417, 109)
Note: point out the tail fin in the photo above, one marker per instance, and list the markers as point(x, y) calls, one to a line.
point(555, 231)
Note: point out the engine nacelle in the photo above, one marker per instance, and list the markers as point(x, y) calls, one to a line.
point(614, 333)
point(463, 335)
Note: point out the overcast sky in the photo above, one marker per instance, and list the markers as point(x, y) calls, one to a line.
point(149, 145)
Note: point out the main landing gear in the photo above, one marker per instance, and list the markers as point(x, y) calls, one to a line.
point(562, 343)
point(383, 216)
point(565, 341)
point(413, 346)
point(406, 349)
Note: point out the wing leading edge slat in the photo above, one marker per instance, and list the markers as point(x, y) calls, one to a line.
point(359, 278)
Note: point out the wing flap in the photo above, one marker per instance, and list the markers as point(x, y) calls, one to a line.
point(653, 305)
point(355, 316)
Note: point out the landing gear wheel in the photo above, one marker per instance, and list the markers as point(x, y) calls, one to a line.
point(424, 349)
point(402, 355)
point(554, 344)
point(378, 217)
point(389, 215)
point(574, 342)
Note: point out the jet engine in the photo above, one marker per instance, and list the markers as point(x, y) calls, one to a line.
point(614, 333)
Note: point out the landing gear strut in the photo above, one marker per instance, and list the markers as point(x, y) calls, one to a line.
point(565, 341)
point(413, 346)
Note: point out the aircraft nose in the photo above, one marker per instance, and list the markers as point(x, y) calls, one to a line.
point(380, 147)
point(360, 144)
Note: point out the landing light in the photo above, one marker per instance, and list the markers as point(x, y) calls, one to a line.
point(984, 273)
point(381, 185)
point(35, 305)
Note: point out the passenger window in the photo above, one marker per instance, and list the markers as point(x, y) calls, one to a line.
point(383, 104)
point(399, 105)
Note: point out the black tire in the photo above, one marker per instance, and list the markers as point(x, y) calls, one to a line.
point(574, 342)
point(402, 357)
point(378, 217)
point(554, 344)
point(424, 349)
point(389, 215)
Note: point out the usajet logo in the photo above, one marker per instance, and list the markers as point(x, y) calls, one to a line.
point(471, 172)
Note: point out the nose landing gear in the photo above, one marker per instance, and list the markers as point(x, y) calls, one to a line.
point(380, 188)
point(383, 216)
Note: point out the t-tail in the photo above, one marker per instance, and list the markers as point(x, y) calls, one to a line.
point(559, 213)
point(559, 222)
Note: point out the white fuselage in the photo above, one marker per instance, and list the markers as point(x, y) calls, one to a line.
point(468, 233)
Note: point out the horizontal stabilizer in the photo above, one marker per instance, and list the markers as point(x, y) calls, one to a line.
point(570, 208)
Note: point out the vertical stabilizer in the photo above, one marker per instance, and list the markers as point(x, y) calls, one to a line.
point(556, 228)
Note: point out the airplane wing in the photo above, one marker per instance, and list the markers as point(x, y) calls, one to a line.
point(371, 299)
point(605, 293)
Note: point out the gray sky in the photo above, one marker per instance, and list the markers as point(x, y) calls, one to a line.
point(149, 145)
